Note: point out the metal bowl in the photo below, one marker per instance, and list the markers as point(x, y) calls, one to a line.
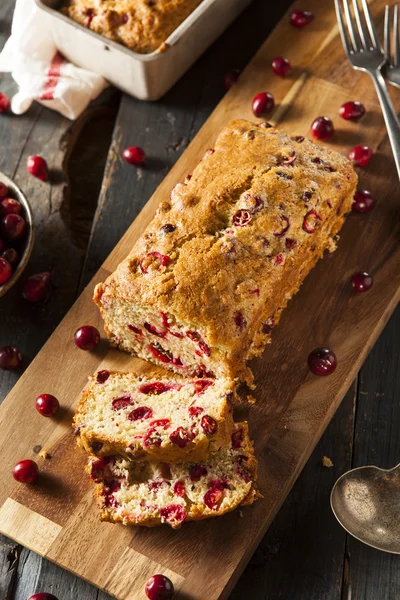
point(27, 245)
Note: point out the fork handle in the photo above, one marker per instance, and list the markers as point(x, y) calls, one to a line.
point(389, 114)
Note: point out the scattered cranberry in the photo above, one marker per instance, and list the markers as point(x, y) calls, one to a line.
point(26, 471)
point(363, 201)
point(134, 156)
point(301, 18)
point(263, 103)
point(11, 255)
point(4, 103)
point(281, 66)
point(3, 190)
point(47, 405)
point(42, 596)
point(322, 361)
point(352, 111)
point(360, 155)
point(37, 167)
point(37, 287)
point(10, 358)
point(5, 270)
point(8, 206)
point(322, 128)
point(87, 337)
point(361, 282)
point(230, 78)
point(12, 227)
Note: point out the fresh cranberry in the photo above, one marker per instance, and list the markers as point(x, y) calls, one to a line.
point(121, 402)
point(352, 111)
point(155, 260)
point(196, 472)
point(37, 167)
point(301, 18)
point(12, 227)
point(360, 155)
point(242, 218)
point(26, 471)
point(195, 411)
point(47, 405)
point(361, 282)
point(179, 488)
point(3, 190)
point(4, 103)
point(230, 78)
point(156, 388)
point(209, 425)
point(140, 413)
point(134, 156)
point(10, 358)
point(363, 201)
point(42, 596)
point(8, 206)
point(263, 103)
point(322, 361)
point(87, 337)
point(322, 128)
point(5, 270)
point(37, 287)
point(102, 376)
point(11, 255)
point(2, 245)
point(173, 514)
point(281, 66)
point(310, 221)
point(159, 587)
point(212, 497)
point(181, 437)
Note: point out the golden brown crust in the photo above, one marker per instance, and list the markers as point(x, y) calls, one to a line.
point(247, 227)
point(141, 25)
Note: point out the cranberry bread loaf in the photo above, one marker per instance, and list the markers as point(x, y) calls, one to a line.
point(207, 281)
point(141, 418)
point(142, 25)
point(151, 493)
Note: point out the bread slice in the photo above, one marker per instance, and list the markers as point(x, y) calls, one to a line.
point(145, 418)
point(151, 493)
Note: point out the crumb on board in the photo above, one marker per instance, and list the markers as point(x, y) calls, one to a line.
point(326, 462)
point(44, 454)
point(251, 399)
point(240, 514)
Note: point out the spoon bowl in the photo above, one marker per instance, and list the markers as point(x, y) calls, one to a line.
point(366, 502)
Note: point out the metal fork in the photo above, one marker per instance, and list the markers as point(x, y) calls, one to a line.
point(392, 67)
point(365, 53)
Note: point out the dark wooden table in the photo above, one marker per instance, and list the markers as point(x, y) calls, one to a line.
point(81, 215)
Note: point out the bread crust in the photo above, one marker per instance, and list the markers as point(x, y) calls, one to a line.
point(225, 279)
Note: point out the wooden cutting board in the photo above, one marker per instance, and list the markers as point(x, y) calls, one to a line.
point(57, 517)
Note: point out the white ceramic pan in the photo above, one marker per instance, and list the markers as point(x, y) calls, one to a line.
point(146, 76)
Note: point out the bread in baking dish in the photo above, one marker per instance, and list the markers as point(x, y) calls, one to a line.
point(151, 493)
point(154, 418)
point(208, 279)
point(141, 25)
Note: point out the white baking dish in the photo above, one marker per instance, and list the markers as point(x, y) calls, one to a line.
point(146, 76)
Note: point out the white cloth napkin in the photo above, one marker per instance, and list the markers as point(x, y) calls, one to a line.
point(40, 71)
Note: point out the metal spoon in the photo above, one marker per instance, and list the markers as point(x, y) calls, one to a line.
point(366, 502)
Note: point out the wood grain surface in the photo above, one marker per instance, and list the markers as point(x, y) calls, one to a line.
point(293, 407)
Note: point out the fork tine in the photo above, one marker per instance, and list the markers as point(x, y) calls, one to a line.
point(362, 30)
point(371, 27)
point(350, 25)
point(396, 36)
point(342, 28)
point(387, 33)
